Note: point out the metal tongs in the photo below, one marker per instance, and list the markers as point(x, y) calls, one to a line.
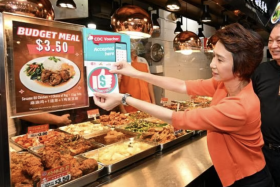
point(131, 141)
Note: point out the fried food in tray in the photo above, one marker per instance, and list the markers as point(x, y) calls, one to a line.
point(113, 136)
point(159, 134)
point(52, 158)
point(70, 144)
point(26, 169)
point(141, 126)
point(115, 119)
point(139, 115)
point(154, 120)
point(24, 142)
point(85, 129)
point(119, 151)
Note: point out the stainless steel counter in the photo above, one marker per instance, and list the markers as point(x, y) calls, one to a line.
point(177, 166)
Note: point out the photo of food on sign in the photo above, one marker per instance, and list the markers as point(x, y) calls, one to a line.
point(49, 74)
point(276, 15)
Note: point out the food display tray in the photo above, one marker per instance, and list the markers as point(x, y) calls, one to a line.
point(12, 139)
point(86, 179)
point(128, 134)
point(34, 150)
point(176, 141)
point(15, 147)
point(88, 135)
point(110, 168)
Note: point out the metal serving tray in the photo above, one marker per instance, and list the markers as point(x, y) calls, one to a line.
point(88, 135)
point(34, 150)
point(176, 141)
point(85, 179)
point(128, 134)
point(110, 168)
point(14, 147)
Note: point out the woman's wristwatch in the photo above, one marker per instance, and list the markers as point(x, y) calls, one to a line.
point(124, 98)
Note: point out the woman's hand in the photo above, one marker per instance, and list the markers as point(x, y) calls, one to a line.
point(125, 69)
point(107, 101)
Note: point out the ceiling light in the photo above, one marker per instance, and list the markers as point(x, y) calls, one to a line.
point(173, 5)
point(133, 21)
point(178, 28)
point(206, 17)
point(66, 4)
point(200, 34)
point(186, 42)
point(155, 21)
point(91, 25)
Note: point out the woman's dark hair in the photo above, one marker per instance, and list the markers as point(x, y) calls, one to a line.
point(246, 47)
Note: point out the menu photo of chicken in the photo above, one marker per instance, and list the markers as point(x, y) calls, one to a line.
point(49, 74)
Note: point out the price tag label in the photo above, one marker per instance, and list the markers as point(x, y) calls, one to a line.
point(55, 176)
point(93, 113)
point(39, 130)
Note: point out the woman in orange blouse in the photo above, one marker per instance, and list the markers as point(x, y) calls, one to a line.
point(232, 121)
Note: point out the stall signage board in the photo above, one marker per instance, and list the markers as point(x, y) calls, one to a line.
point(101, 51)
point(39, 130)
point(55, 176)
point(48, 68)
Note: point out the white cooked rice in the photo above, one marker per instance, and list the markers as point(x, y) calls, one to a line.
point(51, 65)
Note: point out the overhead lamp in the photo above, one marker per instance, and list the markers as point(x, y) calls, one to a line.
point(155, 21)
point(178, 28)
point(173, 5)
point(91, 25)
point(200, 34)
point(133, 21)
point(66, 4)
point(186, 43)
point(211, 42)
point(206, 17)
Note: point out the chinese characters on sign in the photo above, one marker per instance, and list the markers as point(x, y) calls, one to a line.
point(55, 176)
point(48, 69)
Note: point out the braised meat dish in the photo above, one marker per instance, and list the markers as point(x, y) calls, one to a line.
point(114, 118)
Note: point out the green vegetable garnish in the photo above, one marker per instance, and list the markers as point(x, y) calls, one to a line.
point(54, 59)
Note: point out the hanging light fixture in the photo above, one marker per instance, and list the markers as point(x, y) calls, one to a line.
point(173, 5)
point(39, 8)
point(178, 28)
point(155, 20)
point(133, 21)
point(206, 17)
point(186, 43)
point(211, 42)
point(66, 4)
point(200, 34)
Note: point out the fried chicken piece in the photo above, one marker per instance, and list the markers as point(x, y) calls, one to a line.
point(65, 75)
point(18, 176)
point(45, 76)
point(75, 169)
point(88, 166)
point(55, 79)
point(33, 167)
point(51, 158)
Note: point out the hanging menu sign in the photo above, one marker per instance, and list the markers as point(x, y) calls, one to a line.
point(48, 68)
